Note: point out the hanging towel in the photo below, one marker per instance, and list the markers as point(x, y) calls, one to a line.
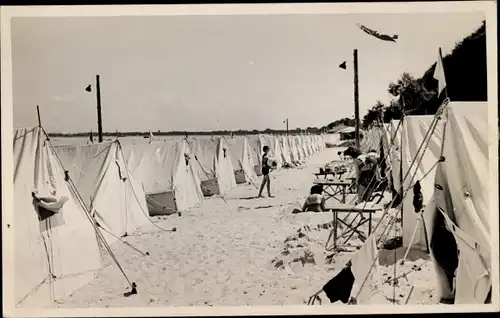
point(339, 287)
point(51, 203)
point(47, 206)
point(362, 263)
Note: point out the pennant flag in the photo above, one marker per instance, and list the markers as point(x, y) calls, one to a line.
point(383, 37)
point(439, 74)
point(89, 88)
point(343, 65)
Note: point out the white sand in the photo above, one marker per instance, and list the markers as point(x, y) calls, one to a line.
point(241, 252)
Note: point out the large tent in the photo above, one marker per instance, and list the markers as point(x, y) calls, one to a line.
point(460, 233)
point(212, 161)
point(420, 152)
point(256, 148)
point(274, 148)
point(101, 176)
point(168, 176)
point(395, 153)
point(285, 149)
point(241, 155)
point(300, 147)
point(292, 146)
point(56, 250)
point(372, 139)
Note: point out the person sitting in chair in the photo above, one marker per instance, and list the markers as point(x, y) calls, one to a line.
point(366, 172)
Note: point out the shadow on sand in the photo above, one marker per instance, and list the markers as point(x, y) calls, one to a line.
point(387, 257)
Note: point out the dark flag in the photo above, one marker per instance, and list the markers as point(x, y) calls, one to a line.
point(89, 88)
point(383, 37)
point(343, 65)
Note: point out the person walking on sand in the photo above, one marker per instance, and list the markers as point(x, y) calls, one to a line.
point(266, 169)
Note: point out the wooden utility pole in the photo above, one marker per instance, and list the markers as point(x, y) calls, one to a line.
point(356, 97)
point(99, 115)
point(38, 114)
point(286, 126)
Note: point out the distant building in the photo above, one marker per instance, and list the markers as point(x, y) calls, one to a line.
point(347, 133)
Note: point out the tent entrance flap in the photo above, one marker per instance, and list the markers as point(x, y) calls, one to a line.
point(210, 187)
point(240, 176)
point(258, 170)
point(161, 203)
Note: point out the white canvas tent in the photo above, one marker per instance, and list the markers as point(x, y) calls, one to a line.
point(301, 148)
point(167, 174)
point(213, 165)
point(396, 131)
point(386, 146)
point(241, 155)
point(274, 148)
point(420, 154)
point(460, 227)
point(371, 139)
point(317, 140)
point(306, 146)
point(292, 146)
point(285, 149)
point(56, 249)
point(256, 148)
point(102, 179)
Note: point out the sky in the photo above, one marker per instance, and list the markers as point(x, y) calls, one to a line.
point(203, 73)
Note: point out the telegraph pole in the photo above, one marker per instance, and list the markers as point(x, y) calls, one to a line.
point(286, 121)
point(99, 114)
point(38, 114)
point(356, 96)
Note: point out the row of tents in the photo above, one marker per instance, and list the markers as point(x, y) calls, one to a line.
point(71, 201)
point(449, 155)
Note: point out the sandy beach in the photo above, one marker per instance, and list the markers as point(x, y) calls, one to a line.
point(238, 250)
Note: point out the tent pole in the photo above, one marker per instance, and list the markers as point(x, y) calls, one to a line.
point(401, 168)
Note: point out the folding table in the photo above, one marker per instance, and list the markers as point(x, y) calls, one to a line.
point(352, 227)
point(332, 188)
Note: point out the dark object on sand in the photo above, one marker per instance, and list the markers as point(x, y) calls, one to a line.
point(393, 243)
point(340, 287)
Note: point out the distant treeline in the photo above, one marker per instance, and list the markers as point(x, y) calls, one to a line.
point(310, 130)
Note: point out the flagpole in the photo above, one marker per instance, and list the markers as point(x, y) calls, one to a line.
point(356, 96)
point(444, 74)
